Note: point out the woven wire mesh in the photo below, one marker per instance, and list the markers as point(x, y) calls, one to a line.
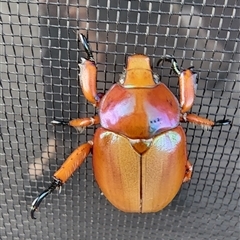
point(39, 56)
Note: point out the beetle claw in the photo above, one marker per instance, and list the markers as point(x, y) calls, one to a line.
point(35, 204)
point(222, 122)
point(86, 46)
point(37, 201)
point(59, 189)
point(56, 122)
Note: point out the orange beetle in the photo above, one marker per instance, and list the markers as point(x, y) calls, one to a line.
point(139, 150)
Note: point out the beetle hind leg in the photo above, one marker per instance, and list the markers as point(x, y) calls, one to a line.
point(72, 163)
point(188, 173)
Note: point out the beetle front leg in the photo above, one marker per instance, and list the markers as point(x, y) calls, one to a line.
point(187, 83)
point(79, 123)
point(73, 162)
point(88, 73)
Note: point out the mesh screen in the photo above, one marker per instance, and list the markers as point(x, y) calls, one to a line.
point(39, 56)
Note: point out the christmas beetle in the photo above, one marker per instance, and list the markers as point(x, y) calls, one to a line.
point(139, 150)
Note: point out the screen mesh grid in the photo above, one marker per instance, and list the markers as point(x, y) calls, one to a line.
point(39, 53)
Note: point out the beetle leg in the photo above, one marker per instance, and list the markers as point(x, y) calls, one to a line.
point(88, 73)
point(79, 123)
point(203, 122)
point(187, 83)
point(73, 162)
point(188, 173)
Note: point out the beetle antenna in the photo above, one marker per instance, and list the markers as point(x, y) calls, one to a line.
point(172, 60)
point(86, 46)
point(35, 204)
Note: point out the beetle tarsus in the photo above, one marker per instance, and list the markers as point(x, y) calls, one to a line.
point(222, 122)
point(86, 46)
point(56, 122)
point(172, 60)
point(35, 204)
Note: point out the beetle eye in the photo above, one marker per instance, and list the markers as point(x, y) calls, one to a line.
point(156, 78)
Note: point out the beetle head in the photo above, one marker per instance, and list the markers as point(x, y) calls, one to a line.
point(138, 72)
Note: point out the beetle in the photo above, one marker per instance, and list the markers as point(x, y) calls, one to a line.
point(139, 151)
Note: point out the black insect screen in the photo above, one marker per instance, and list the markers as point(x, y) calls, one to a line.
point(39, 71)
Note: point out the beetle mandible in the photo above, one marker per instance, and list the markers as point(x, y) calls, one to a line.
point(139, 150)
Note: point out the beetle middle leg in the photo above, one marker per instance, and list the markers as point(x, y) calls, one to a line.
point(203, 122)
point(79, 123)
point(71, 164)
